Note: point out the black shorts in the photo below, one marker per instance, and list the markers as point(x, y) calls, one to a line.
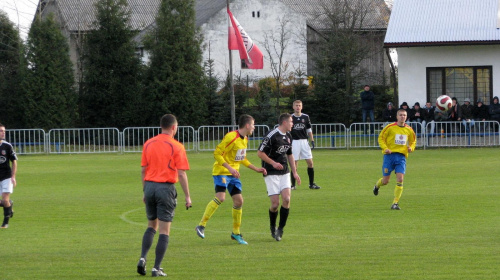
point(161, 200)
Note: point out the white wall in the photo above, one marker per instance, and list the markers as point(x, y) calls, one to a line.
point(412, 64)
point(216, 29)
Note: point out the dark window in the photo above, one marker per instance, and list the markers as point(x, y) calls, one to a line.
point(258, 14)
point(244, 64)
point(460, 82)
point(253, 14)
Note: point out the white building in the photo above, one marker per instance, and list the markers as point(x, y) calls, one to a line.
point(258, 17)
point(447, 47)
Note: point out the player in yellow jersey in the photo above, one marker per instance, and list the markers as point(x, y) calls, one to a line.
point(228, 154)
point(396, 140)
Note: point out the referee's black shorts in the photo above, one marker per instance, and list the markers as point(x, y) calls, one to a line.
point(161, 200)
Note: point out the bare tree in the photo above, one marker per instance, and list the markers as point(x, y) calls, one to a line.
point(275, 45)
point(346, 39)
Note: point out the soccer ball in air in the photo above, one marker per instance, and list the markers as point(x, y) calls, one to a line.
point(443, 103)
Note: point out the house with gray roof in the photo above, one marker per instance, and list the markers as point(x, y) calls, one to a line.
point(447, 47)
point(306, 19)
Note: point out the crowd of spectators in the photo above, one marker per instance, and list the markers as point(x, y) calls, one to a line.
point(467, 114)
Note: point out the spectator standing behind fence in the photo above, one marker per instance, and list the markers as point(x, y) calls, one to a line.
point(480, 113)
point(494, 111)
point(7, 176)
point(367, 106)
point(389, 114)
point(429, 116)
point(164, 163)
point(417, 116)
point(467, 114)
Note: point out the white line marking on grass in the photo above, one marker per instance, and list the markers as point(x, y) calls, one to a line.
point(124, 217)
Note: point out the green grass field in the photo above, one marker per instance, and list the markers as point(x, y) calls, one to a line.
point(82, 217)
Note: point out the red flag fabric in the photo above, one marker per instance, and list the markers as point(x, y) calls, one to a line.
point(239, 40)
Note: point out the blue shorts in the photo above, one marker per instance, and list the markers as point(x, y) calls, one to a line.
point(394, 161)
point(229, 182)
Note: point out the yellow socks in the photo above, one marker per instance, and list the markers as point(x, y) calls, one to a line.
point(237, 212)
point(379, 183)
point(210, 210)
point(397, 192)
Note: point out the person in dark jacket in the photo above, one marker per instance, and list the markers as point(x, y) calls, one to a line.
point(480, 114)
point(389, 113)
point(417, 115)
point(429, 116)
point(455, 114)
point(405, 106)
point(494, 111)
point(367, 106)
point(467, 115)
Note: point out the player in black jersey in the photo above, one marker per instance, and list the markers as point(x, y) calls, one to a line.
point(276, 153)
point(7, 176)
point(301, 131)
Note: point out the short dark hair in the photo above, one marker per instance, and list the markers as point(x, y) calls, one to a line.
point(167, 121)
point(1, 125)
point(283, 117)
point(366, 86)
point(244, 120)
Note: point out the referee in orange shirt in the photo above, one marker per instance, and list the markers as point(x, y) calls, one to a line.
point(164, 163)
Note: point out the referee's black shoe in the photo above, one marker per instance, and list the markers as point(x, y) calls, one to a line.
point(141, 266)
point(314, 186)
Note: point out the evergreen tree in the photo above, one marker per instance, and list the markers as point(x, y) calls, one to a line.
point(174, 82)
point(240, 98)
point(264, 112)
point(10, 74)
point(111, 92)
point(337, 57)
point(215, 104)
point(48, 83)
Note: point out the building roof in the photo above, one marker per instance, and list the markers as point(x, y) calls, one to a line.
point(443, 22)
point(79, 15)
point(377, 12)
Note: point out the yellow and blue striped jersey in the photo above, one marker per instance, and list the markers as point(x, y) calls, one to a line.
point(233, 150)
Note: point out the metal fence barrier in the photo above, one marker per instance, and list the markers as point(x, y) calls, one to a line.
point(206, 138)
point(330, 136)
point(27, 141)
point(84, 140)
point(134, 137)
point(462, 134)
point(210, 136)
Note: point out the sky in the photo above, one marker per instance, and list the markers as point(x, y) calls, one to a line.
point(21, 13)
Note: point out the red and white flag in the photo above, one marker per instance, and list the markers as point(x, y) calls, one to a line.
point(238, 39)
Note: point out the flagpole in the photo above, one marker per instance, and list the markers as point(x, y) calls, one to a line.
point(233, 115)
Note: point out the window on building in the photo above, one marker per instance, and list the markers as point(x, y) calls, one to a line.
point(460, 82)
point(139, 52)
point(244, 64)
